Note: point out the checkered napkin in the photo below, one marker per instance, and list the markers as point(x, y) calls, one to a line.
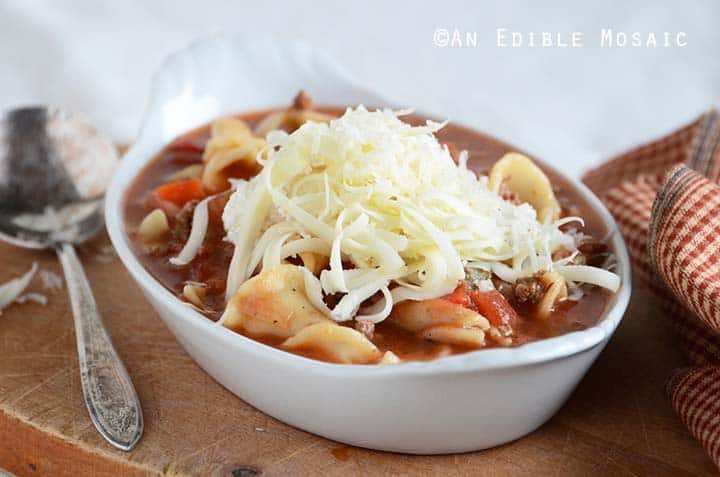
point(665, 198)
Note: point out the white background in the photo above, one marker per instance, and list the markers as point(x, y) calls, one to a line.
point(572, 107)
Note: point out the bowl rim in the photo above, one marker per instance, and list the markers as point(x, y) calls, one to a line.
point(540, 351)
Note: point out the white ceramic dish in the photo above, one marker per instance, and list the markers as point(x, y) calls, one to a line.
point(460, 403)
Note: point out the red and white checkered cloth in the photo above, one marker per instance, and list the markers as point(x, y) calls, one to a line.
point(666, 200)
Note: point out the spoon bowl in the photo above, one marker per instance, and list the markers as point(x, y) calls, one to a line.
point(54, 168)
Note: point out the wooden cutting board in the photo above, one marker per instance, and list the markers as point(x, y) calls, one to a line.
point(618, 422)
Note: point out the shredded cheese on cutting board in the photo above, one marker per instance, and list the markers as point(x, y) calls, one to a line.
point(11, 290)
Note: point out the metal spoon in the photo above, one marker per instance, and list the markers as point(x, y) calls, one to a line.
point(54, 168)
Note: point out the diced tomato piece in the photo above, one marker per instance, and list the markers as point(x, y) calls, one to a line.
point(181, 192)
point(461, 296)
point(493, 306)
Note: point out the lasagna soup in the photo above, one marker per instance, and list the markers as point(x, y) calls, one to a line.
point(363, 236)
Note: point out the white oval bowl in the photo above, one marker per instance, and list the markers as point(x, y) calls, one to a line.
point(460, 403)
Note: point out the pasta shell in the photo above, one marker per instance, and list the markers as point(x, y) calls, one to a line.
point(194, 294)
point(337, 343)
point(418, 316)
point(271, 122)
point(272, 303)
point(521, 176)
point(242, 158)
point(555, 290)
point(470, 337)
point(289, 120)
point(231, 152)
point(153, 228)
point(225, 133)
point(498, 337)
point(390, 358)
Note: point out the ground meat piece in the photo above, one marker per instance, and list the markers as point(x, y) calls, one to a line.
point(216, 285)
point(592, 247)
point(505, 288)
point(185, 214)
point(528, 290)
point(597, 260)
point(183, 219)
point(366, 327)
point(332, 299)
point(594, 252)
point(302, 101)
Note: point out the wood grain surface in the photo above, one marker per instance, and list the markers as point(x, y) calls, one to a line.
point(618, 422)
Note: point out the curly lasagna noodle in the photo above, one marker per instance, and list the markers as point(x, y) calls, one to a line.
point(368, 236)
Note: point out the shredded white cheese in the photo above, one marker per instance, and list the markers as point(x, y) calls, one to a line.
point(387, 204)
point(38, 298)
point(197, 234)
point(12, 289)
point(51, 281)
point(594, 275)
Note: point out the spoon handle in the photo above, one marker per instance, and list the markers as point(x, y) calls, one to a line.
point(109, 393)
